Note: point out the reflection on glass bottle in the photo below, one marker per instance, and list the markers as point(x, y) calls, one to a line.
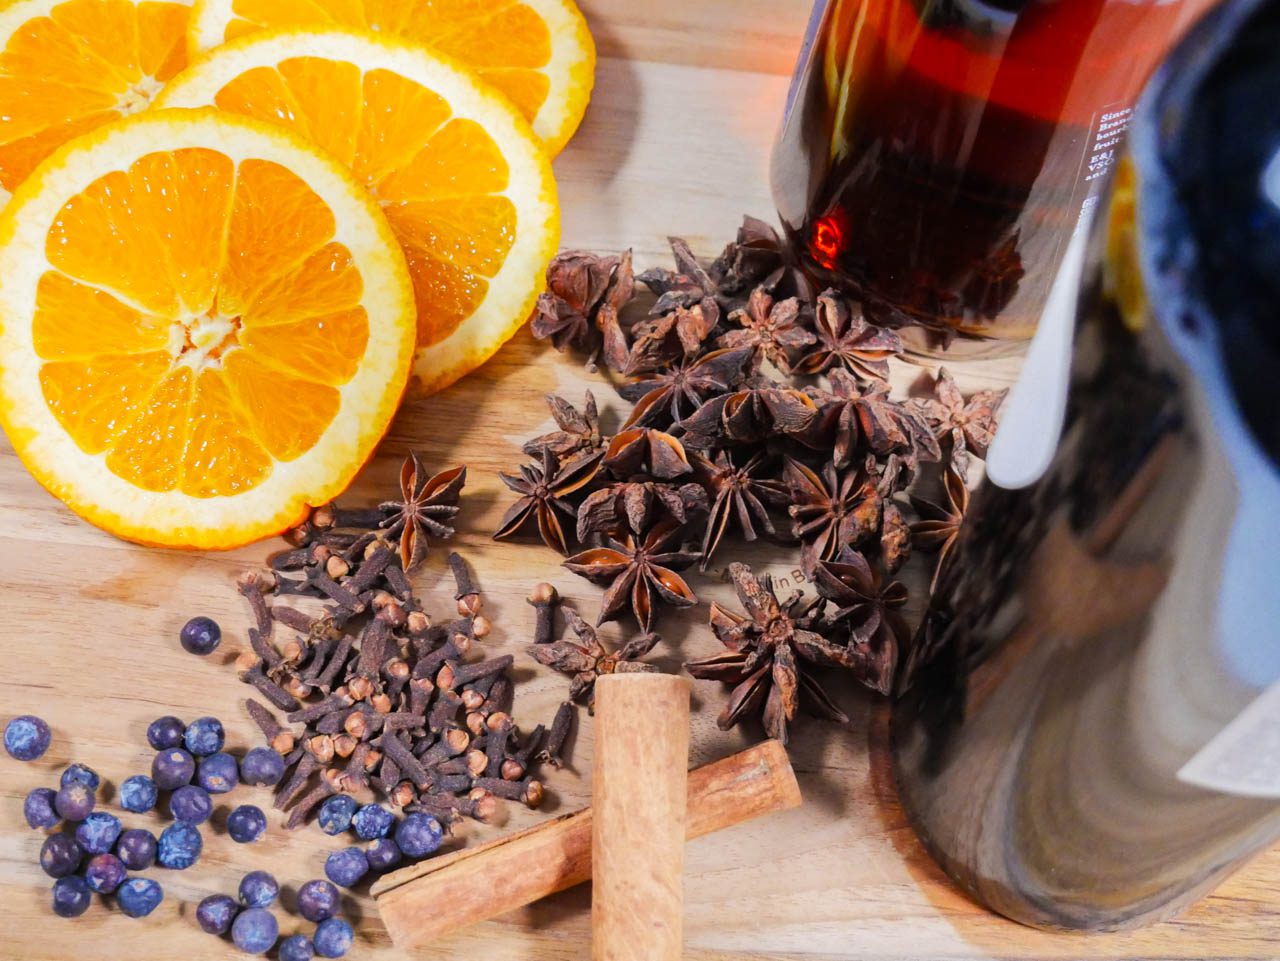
point(1087, 733)
point(935, 154)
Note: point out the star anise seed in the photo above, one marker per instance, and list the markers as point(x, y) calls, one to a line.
point(666, 338)
point(579, 430)
point(641, 572)
point(759, 257)
point(846, 339)
point(773, 330)
point(831, 511)
point(636, 506)
point(426, 505)
point(867, 612)
point(584, 293)
point(760, 411)
point(685, 287)
point(589, 659)
point(939, 525)
point(543, 488)
point(769, 658)
point(851, 414)
point(646, 450)
point(738, 493)
point(672, 393)
point(970, 425)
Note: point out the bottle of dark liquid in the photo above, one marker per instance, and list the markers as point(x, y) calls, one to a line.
point(1087, 733)
point(935, 154)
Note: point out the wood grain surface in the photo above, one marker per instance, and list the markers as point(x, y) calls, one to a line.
point(689, 93)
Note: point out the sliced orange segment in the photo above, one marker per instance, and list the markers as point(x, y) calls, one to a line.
point(538, 53)
point(206, 326)
point(460, 176)
point(67, 66)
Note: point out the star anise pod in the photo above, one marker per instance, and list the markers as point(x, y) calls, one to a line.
point(761, 410)
point(636, 506)
point(939, 525)
point(646, 450)
point(831, 511)
point(665, 338)
point(867, 612)
point(739, 493)
point(759, 257)
point(543, 488)
point(686, 287)
point(580, 306)
point(589, 659)
point(579, 430)
point(970, 425)
point(674, 392)
point(770, 656)
point(641, 571)
point(851, 414)
point(846, 339)
point(995, 281)
point(772, 329)
point(425, 507)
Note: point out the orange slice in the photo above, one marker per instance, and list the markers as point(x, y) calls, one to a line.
point(205, 326)
point(67, 66)
point(459, 174)
point(539, 53)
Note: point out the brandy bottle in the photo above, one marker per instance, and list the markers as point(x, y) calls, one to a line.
point(1087, 732)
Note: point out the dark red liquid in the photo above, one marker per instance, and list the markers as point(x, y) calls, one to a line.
point(937, 153)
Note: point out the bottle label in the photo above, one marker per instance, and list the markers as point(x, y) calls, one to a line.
point(1109, 129)
point(1244, 757)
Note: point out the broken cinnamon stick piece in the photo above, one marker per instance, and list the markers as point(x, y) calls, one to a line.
point(422, 903)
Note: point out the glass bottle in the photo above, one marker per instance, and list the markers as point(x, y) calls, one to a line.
point(1087, 732)
point(935, 155)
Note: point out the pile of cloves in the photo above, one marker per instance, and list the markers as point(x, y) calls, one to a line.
point(388, 699)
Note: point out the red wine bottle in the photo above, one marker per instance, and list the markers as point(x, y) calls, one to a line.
point(1087, 732)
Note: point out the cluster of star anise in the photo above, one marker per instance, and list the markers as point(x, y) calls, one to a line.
point(759, 410)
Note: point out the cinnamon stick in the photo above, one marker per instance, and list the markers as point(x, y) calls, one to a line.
point(422, 903)
point(639, 790)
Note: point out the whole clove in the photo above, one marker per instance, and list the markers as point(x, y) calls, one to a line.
point(420, 691)
point(443, 711)
point(496, 748)
point(545, 599)
point(253, 586)
point(387, 698)
point(467, 596)
point(529, 791)
point(313, 712)
point(500, 695)
point(553, 752)
point(321, 651)
point(265, 650)
point(337, 660)
point(395, 750)
point(470, 673)
point(335, 721)
point(302, 771)
point(279, 738)
point(307, 803)
point(249, 669)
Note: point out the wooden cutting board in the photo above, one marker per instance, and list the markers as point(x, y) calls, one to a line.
point(676, 141)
